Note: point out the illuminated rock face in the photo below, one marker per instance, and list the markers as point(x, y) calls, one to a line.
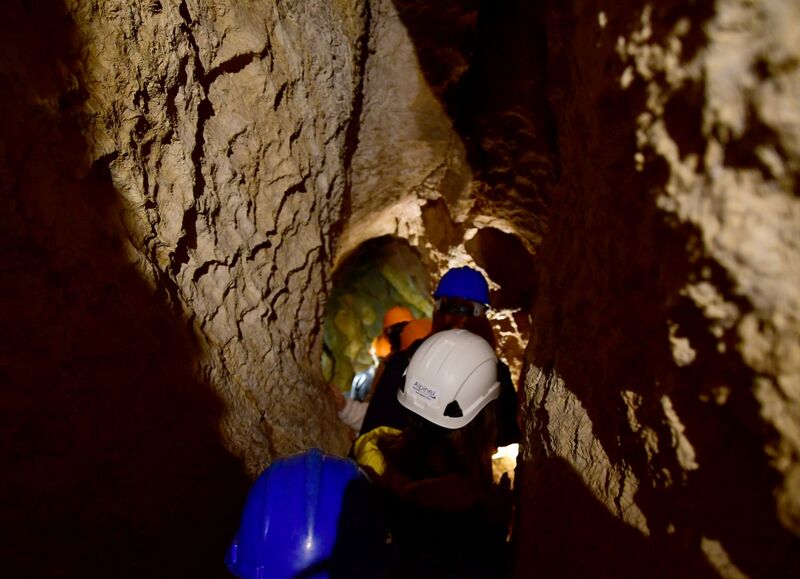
point(382, 274)
point(231, 182)
point(435, 164)
point(180, 180)
point(172, 175)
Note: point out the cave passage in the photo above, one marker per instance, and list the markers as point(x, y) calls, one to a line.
point(380, 274)
point(206, 207)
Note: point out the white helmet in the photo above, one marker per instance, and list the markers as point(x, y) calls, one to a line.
point(451, 377)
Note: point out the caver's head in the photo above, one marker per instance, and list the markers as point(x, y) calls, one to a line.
point(394, 320)
point(414, 331)
point(310, 515)
point(462, 293)
point(451, 378)
point(380, 347)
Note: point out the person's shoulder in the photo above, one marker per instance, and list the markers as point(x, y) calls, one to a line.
point(399, 360)
point(503, 371)
point(414, 347)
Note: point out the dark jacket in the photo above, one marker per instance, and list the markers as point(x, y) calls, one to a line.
point(384, 409)
point(442, 524)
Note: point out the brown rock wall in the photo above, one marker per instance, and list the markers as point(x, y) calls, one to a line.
point(415, 171)
point(169, 189)
point(662, 404)
point(179, 177)
point(407, 146)
point(231, 182)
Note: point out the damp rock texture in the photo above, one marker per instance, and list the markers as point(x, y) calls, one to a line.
point(407, 145)
point(449, 153)
point(378, 276)
point(172, 176)
point(231, 183)
point(662, 383)
point(180, 179)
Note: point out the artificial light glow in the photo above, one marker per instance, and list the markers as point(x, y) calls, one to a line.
point(504, 462)
point(511, 451)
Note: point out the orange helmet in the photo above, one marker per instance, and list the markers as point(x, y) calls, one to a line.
point(415, 330)
point(396, 315)
point(381, 346)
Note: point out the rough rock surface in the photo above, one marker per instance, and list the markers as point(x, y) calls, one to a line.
point(663, 377)
point(179, 179)
point(382, 274)
point(413, 168)
point(231, 182)
point(406, 141)
point(170, 192)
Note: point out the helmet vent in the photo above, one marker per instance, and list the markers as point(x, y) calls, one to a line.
point(453, 410)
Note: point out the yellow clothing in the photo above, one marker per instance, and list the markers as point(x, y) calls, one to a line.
point(366, 451)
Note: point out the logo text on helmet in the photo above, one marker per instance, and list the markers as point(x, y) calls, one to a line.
point(424, 391)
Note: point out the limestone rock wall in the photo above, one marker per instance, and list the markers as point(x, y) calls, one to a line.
point(407, 145)
point(172, 176)
point(231, 182)
point(179, 179)
point(662, 408)
point(421, 168)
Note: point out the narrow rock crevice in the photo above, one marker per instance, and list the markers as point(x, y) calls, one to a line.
point(193, 189)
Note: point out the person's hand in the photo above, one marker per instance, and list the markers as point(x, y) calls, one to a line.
point(338, 396)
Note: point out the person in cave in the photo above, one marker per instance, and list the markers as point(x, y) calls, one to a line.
point(461, 301)
point(445, 514)
point(362, 381)
point(394, 320)
point(353, 408)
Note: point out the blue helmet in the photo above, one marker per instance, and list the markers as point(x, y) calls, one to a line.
point(291, 520)
point(465, 283)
